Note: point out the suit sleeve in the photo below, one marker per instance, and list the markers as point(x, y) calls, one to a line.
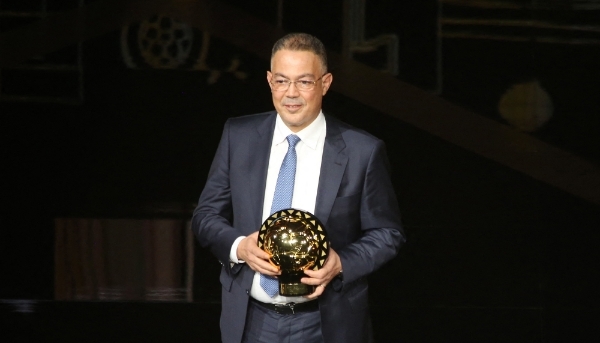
point(212, 218)
point(382, 233)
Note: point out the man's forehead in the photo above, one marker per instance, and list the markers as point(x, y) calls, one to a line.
point(280, 62)
point(284, 53)
point(287, 76)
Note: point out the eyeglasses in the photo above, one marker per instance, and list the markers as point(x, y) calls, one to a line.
point(301, 85)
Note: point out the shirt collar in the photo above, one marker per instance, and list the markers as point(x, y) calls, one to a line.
point(309, 135)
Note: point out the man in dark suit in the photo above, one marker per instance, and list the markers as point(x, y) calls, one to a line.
point(340, 174)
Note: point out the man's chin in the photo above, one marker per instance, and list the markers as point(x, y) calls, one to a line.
point(294, 125)
point(292, 110)
point(292, 116)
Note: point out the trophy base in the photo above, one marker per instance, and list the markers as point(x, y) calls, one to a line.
point(290, 285)
point(295, 289)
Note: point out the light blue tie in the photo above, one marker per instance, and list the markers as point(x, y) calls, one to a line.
point(282, 199)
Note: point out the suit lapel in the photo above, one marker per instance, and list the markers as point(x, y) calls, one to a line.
point(260, 150)
point(334, 162)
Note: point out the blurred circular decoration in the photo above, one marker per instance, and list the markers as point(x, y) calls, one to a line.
point(165, 43)
point(526, 106)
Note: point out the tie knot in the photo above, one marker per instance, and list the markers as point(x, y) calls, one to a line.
point(293, 140)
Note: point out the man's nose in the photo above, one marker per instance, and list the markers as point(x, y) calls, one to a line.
point(292, 91)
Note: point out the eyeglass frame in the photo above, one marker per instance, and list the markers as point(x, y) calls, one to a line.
point(289, 83)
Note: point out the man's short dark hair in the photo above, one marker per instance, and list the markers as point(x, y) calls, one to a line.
point(302, 42)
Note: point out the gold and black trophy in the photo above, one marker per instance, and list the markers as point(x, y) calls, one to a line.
point(295, 241)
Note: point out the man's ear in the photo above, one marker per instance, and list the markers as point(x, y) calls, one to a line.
point(327, 80)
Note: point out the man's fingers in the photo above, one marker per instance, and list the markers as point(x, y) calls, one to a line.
point(247, 249)
point(317, 274)
point(256, 258)
point(256, 251)
point(316, 277)
point(318, 291)
point(263, 267)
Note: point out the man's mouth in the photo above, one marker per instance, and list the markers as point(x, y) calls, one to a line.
point(292, 107)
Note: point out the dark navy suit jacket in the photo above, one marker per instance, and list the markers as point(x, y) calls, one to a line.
point(355, 202)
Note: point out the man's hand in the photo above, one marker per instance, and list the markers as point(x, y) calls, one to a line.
point(322, 277)
point(257, 259)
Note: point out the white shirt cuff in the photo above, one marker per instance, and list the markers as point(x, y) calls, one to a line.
point(233, 253)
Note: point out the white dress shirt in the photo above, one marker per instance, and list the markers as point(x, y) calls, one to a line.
point(309, 152)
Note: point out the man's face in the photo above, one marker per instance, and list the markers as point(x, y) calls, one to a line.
point(298, 108)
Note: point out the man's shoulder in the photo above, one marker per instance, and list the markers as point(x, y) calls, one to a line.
point(261, 123)
point(252, 119)
point(351, 134)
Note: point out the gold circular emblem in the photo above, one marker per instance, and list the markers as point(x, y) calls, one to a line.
point(295, 241)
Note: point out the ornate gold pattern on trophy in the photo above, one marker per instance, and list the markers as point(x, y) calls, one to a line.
point(295, 241)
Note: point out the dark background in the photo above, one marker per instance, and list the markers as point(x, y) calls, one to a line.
point(493, 255)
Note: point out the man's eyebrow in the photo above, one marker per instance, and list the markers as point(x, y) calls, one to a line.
point(299, 77)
